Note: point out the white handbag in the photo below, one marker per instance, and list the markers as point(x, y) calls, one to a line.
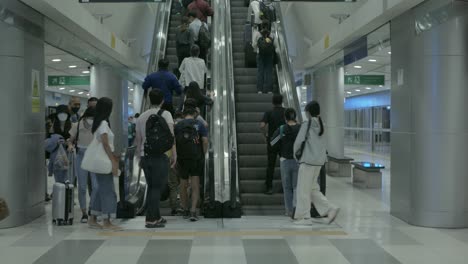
point(95, 159)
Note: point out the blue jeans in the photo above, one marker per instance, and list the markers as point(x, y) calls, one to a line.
point(82, 176)
point(264, 74)
point(289, 172)
point(156, 173)
point(104, 198)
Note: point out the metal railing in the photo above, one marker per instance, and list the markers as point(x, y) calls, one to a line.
point(286, 80)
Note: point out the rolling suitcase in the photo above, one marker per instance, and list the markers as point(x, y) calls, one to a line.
point(64, 197)
point(249, 53)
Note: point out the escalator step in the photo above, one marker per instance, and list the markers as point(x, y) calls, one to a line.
point(258, 186)
point(255, 98)
point(260, 199)
point(252, 149)
point(250, 138)
point(249, 116)
point(253, 107)
point(246, 173)
point(249, 128)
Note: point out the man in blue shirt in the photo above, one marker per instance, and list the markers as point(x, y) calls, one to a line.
point(166, 82)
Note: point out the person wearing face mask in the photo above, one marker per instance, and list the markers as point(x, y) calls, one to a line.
point(60, 123)
point(74, 106)
point(80, 138)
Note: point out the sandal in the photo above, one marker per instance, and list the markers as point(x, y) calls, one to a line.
point(158, 224)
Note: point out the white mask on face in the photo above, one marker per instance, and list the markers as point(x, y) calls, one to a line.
point(89, 121)
point(62, 117)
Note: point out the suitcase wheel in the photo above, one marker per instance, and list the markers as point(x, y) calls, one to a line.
point(54, 222)
point(70, 222)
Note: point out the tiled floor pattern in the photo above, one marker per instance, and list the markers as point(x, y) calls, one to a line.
point(365, 232)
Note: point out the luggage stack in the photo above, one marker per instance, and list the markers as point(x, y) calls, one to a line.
point(250, 107)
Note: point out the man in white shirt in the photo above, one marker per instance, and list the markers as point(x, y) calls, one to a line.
point(156, 168)
point(193, 69)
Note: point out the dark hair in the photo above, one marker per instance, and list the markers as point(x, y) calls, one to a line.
point(178, 115)
point(156, 97)
point(193, 91)
point(190, 111)
point(137, 115)
point(277, 99)
point(265, 24)
point(265, 32)
point(92, 99)
point(290, 114)
point(195, 51)
point(90, 112)
point(190, 103)
point(193, 13)
point(313, 108)
point(163, 64)
point(103, 112)
point(184, 20)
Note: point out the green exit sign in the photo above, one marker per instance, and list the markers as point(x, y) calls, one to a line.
point(120, 1)
point(68, 80)
point(365, 79)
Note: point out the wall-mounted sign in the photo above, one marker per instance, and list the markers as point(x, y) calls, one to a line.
point(68, 80)
point(35, 91)
point(365, 79)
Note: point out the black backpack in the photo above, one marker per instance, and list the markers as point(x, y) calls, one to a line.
point(188, 142)
point(204, 37)
point(183, 37)
point(267, 12)
point(266, 48)
point(159, 138)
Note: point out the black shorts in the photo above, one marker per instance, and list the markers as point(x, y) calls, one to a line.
point(189, 168)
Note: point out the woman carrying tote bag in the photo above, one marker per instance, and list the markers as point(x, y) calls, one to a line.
point(311, 153)
point(100, 159)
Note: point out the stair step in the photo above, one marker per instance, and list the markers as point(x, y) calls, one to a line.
point(254, 161)
point(252, 149)
point(257, 173)
point(246, 88)
point(249, 128)
point(250, 138)
point(245, 71)
point(249, 117)
point(258, 186)
point(253, 98)
point(253, 107)
point(245, 79)
point(262, 199)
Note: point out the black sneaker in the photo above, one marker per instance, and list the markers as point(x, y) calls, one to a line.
point(193, 217)
point(186, 214)
point(269, 191)
point(174, 212)
point(84, 219)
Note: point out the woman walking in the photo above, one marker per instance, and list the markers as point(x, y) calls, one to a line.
point(104, 198)
point(310, 151)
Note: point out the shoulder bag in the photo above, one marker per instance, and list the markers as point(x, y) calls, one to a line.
point(300, 151)
point(95, 159)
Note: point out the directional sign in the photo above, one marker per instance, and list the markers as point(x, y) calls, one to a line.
point(120, 1)
point(365, 79)
point(68, 80)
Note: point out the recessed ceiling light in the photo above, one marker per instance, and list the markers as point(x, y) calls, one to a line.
point(380, 86)
point(368, 88)
point(129, 103)
point(88, 95)
point(349, 92)
point(81, 93)
point(357, 90)
point(72, 91)
point(56, 60)
point(62, 88)
point(390, 53)
point(372, 60)
point(131, 89)
point(358, 67)
point(85, 72)
point(72, 66)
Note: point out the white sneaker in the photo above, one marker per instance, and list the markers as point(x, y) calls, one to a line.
point(323, 221)
point(259, 92)
point(302, 222)
point(332, 215)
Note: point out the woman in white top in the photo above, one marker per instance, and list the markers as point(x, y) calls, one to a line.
point(104, 198)
point(80, 138)
point(193, 69)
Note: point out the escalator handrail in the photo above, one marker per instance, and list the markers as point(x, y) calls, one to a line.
point(284, 69)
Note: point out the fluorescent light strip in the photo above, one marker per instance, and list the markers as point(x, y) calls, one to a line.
point(81, 93)
point(72, 66)
point(72, 91)
point(62, 88)
point(357, 90)
point(56, 60)
point(368, 88)
point(358, 67)
point(85, 72)
point(372, 60)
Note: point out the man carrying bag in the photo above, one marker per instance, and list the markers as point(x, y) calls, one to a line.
point(4, 211)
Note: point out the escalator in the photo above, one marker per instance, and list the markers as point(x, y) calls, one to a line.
point(250, 108)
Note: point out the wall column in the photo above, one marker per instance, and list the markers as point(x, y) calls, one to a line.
point(106, 83)
point(328, 90)
point(429, 125)
point(137, 98)
point(23, 177)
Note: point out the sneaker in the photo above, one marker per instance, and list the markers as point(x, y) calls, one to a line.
point(158, 224)
point(193, 217)
point(332, 215)
point(259, 92)
point(174, 212)
point(94, 225)
point(302, 222)
point(319, 220)
point(186, 214)
point(84, 219)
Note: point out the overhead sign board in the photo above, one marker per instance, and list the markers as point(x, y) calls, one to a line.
point(120, 1)
point(365, 79)
point(68, 80)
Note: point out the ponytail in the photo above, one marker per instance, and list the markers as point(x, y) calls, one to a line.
point(322, 129)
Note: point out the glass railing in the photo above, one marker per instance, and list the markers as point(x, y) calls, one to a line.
point(286, 81)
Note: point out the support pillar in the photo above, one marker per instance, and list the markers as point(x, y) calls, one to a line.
point(137, 98)
point(106, 83)
point(429, 125)
point(23, 176)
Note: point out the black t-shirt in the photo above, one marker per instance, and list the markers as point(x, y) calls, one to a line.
point(284, 140)
point(274, 119)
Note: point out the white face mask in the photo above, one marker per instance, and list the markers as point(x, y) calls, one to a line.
point(62, 117)
point(89, 121)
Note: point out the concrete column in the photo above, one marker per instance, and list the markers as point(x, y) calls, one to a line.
point(106, 83)
point(428, 119)
point(22, 160)
point(137, 98)
point(328, 90)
